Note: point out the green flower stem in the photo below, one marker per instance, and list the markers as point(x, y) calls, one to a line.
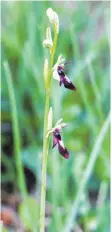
point(16, 133)
point(46, 140)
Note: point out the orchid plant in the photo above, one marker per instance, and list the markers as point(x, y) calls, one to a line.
point(57, 72)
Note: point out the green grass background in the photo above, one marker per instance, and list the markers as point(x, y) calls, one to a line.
point(84, 40)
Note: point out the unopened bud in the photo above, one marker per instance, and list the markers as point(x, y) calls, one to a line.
point(53, 18)
point(48, 43)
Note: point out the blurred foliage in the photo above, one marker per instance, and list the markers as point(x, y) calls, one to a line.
point(84, 40)
point(30, 218)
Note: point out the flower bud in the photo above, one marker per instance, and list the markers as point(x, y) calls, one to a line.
point(53, 18)
point(48, 43)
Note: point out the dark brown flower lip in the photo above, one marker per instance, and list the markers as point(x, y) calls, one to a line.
point(57, 140)
point(63, 151)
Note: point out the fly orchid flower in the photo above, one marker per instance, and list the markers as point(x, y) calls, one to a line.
point(57, 138)
point(58, 74)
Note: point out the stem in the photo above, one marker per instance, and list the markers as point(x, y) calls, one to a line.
point(44, 165)
point(16, 133)
point(46, 140)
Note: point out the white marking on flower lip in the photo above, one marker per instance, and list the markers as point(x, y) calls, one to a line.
point(61, 144)
point(67, 79)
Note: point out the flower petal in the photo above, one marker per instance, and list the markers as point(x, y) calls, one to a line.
point(56, 137)
point(62, 149)
point(55, 141)
point(61, 80)
point(68, 84)
point(62, 125)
